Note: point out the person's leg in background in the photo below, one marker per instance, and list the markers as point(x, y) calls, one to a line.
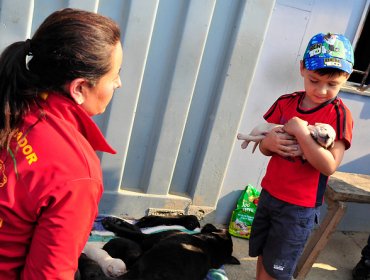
point(362, 269)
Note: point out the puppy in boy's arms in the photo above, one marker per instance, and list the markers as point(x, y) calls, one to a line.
point(324, 134)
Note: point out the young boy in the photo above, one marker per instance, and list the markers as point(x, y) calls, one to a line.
point(293, 188)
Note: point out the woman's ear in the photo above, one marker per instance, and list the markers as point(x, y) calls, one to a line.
point(77, 90)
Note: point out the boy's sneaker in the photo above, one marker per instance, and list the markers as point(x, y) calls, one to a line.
point(362, 270)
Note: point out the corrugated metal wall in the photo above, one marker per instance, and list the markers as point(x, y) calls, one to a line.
point(187, 70)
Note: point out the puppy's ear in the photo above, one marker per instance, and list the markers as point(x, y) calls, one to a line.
point(232, 260)
point(331, 145)
point(314, 133)
point(208, 228)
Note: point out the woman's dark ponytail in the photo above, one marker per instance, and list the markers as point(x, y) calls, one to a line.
point(15, 88)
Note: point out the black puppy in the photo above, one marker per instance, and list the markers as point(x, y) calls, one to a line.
point(126, 249)
point(132, 243)
point(173, 254)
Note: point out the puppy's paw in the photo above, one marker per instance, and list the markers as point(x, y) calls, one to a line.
point(190, 222)
point(114, 267)
point(112, 223)
point(239, 136)
point(109, 223)
point(245, 144)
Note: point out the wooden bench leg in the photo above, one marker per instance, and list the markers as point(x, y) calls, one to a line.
point(319, 238)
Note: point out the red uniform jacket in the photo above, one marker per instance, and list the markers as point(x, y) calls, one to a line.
point(50, 187)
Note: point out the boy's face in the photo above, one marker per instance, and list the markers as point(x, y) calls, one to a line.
point(320, 88)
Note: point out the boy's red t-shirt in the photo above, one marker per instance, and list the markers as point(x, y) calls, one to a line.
point(50, 186)
point(292, 179)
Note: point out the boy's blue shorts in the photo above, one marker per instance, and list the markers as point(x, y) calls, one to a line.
point(279, 233)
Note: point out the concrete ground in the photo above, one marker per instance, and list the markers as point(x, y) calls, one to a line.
point(335, 262)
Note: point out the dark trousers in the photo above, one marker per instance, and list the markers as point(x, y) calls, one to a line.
point(366, 251)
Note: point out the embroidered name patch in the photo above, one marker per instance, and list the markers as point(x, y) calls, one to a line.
point(3, 178)
point(26, 148)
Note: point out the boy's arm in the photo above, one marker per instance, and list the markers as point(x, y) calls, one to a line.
point(325, 161)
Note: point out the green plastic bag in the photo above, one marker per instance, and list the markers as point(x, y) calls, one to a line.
point(242, 217)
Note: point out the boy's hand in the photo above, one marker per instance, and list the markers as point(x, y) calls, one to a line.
point(296, 126)
point(279, 142)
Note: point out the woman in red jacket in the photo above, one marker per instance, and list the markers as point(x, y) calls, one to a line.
point(50, 175)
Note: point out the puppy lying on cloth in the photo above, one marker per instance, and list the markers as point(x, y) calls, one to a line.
point(161, 253)
point(324, 134)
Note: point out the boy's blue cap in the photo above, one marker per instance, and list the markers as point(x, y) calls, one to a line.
point(329, 51)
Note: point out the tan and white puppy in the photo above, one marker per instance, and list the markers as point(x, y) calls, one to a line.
point(324, 134)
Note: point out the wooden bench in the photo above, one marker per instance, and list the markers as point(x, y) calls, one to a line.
point(342, 188)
